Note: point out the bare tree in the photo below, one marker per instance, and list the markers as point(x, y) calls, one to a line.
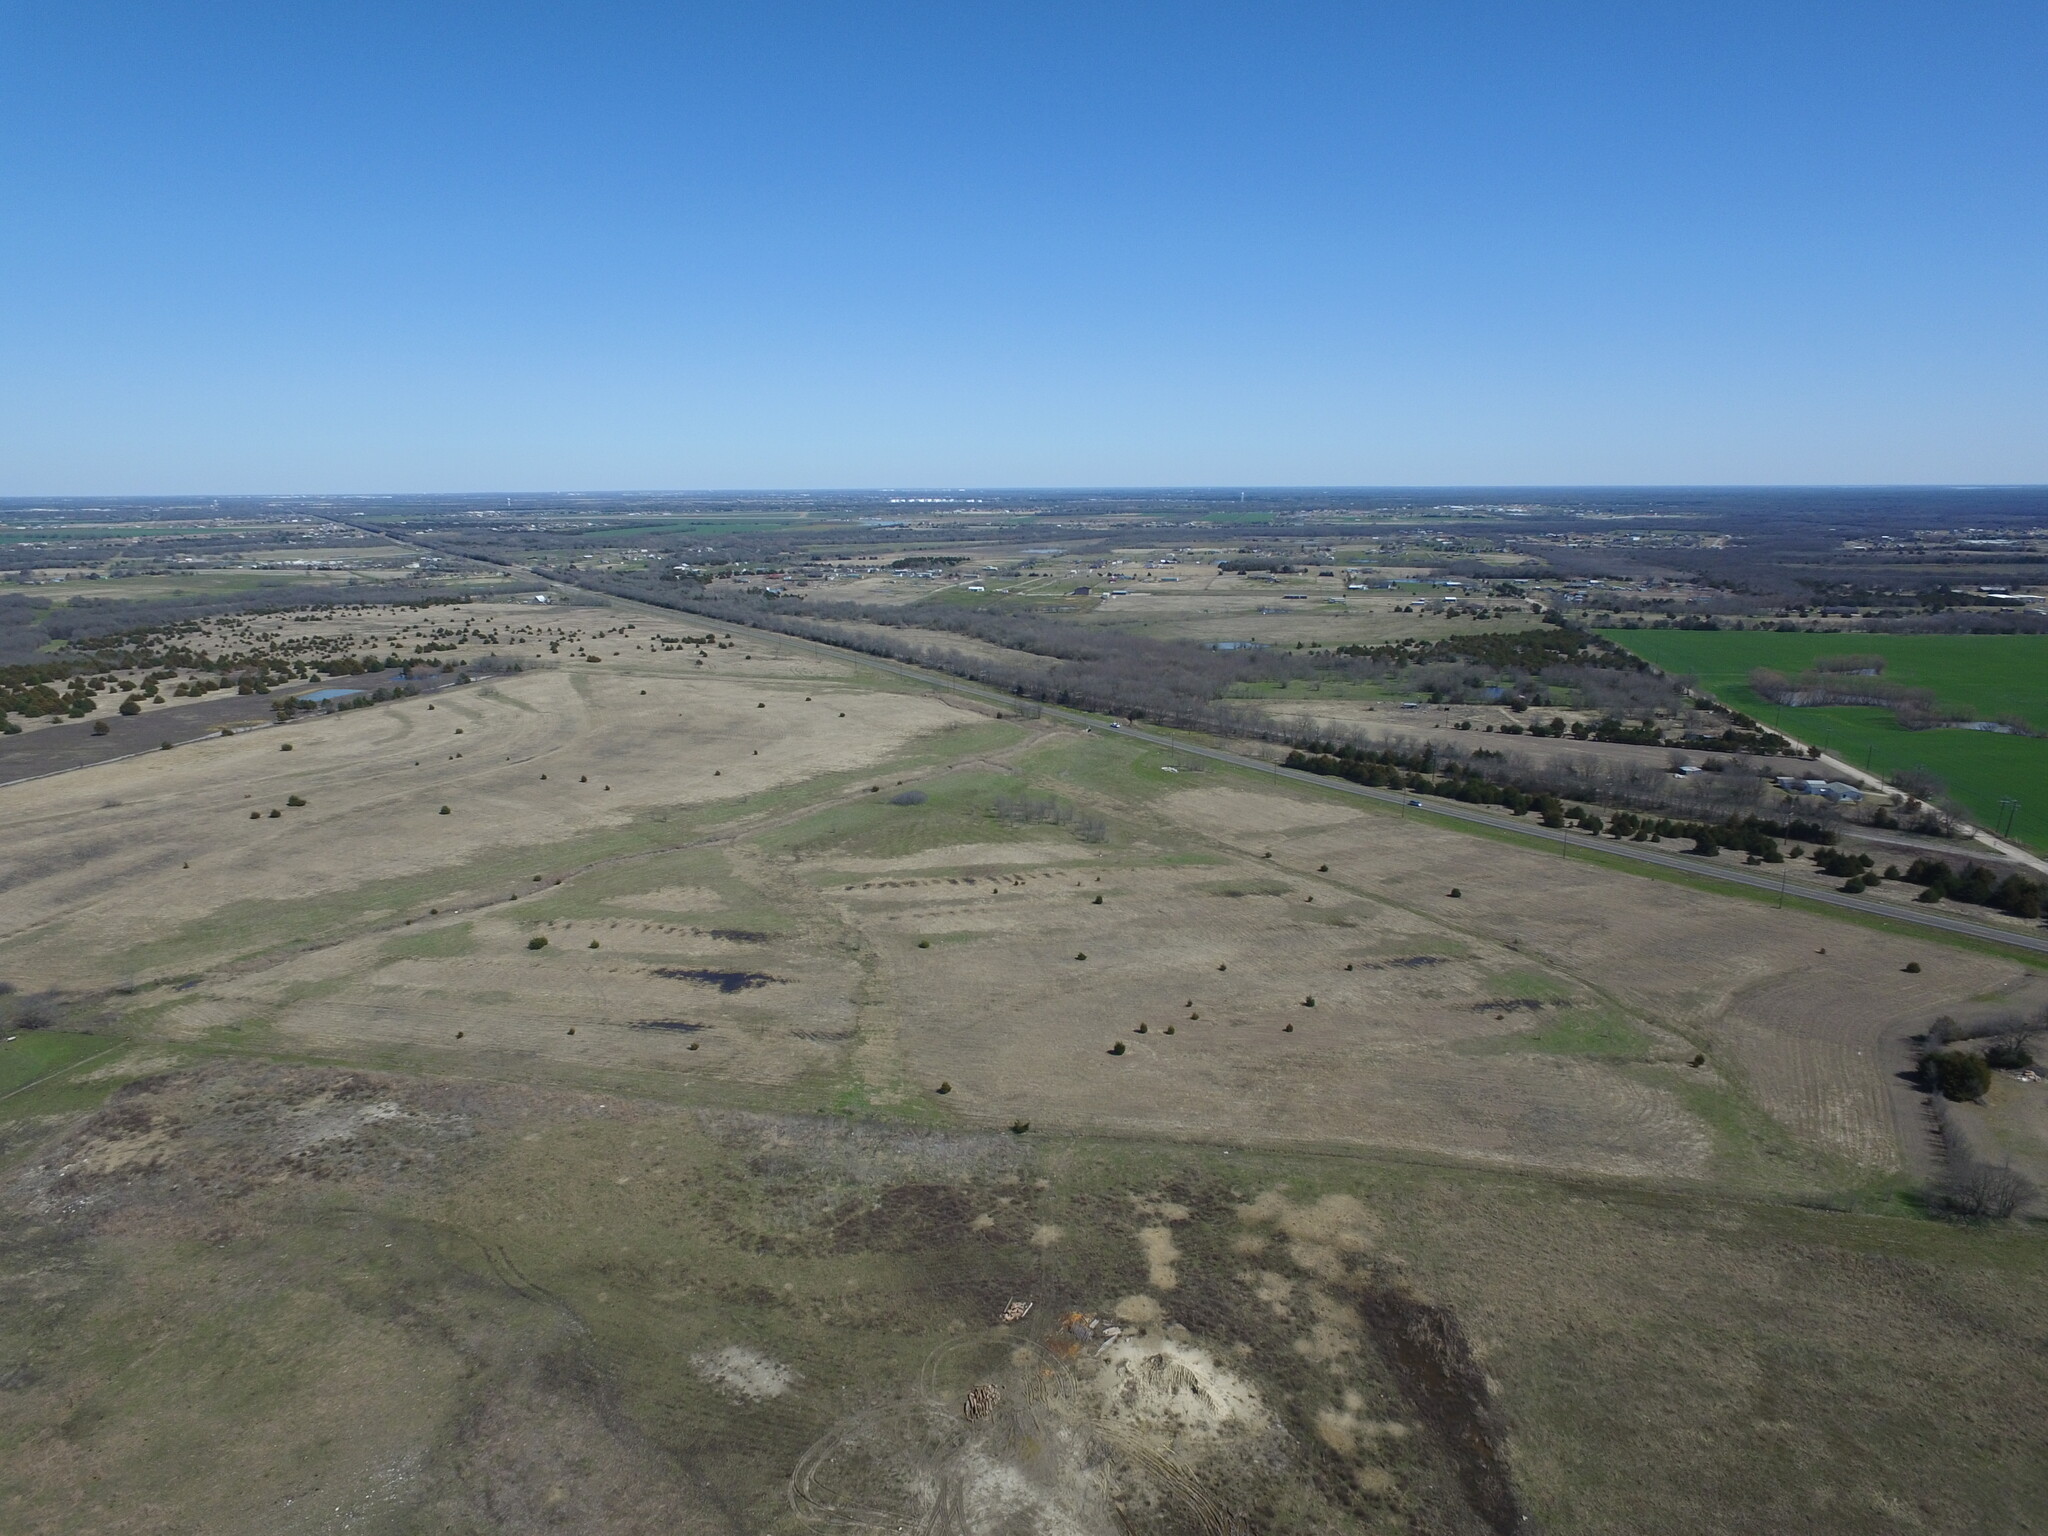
point(2011, 1039)
point(1985, 1191)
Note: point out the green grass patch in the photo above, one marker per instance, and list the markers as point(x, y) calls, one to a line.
point(1599, 1030)
point(447, 943)
point(1750, 1148)
point(36, 1076)
point(34, 1055)
point(1106, 763)
point(955, 810)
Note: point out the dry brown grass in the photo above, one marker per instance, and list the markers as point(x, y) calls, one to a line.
point(1545, 1018)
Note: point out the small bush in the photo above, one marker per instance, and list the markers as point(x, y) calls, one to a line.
point(294, 800)
point(1117, 1049)
point(2008, 1056)
point(284, 746)
point(445, 811)
point(1959, 1075)
point(100, 728)
point(1912, 967)
point(1082, 955)
point(538, 941)
point(1097, 902)
point(945, 1088)
point(593, 943)
point(924, 943)
point(1019, 1127)
point(37, 1012)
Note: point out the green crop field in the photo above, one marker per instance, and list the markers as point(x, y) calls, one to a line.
point(1987, 676)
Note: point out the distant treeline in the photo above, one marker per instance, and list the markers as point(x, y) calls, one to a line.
point(1182, 682)
point(88, 626)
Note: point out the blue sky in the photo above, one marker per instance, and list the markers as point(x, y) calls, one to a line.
point(437, 247)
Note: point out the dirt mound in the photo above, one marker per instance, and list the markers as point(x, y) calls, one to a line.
point(226, 1127)
point(1143, 1435)
point(1162, 1388)
point(745, 1373)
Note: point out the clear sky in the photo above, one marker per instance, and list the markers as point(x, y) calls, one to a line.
point(431, 246)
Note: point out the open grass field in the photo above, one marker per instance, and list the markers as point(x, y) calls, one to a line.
point(1196, 601)
point(1989, 676)
point(1577, 1195)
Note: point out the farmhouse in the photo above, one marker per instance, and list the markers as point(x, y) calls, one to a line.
point(1826, 789)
